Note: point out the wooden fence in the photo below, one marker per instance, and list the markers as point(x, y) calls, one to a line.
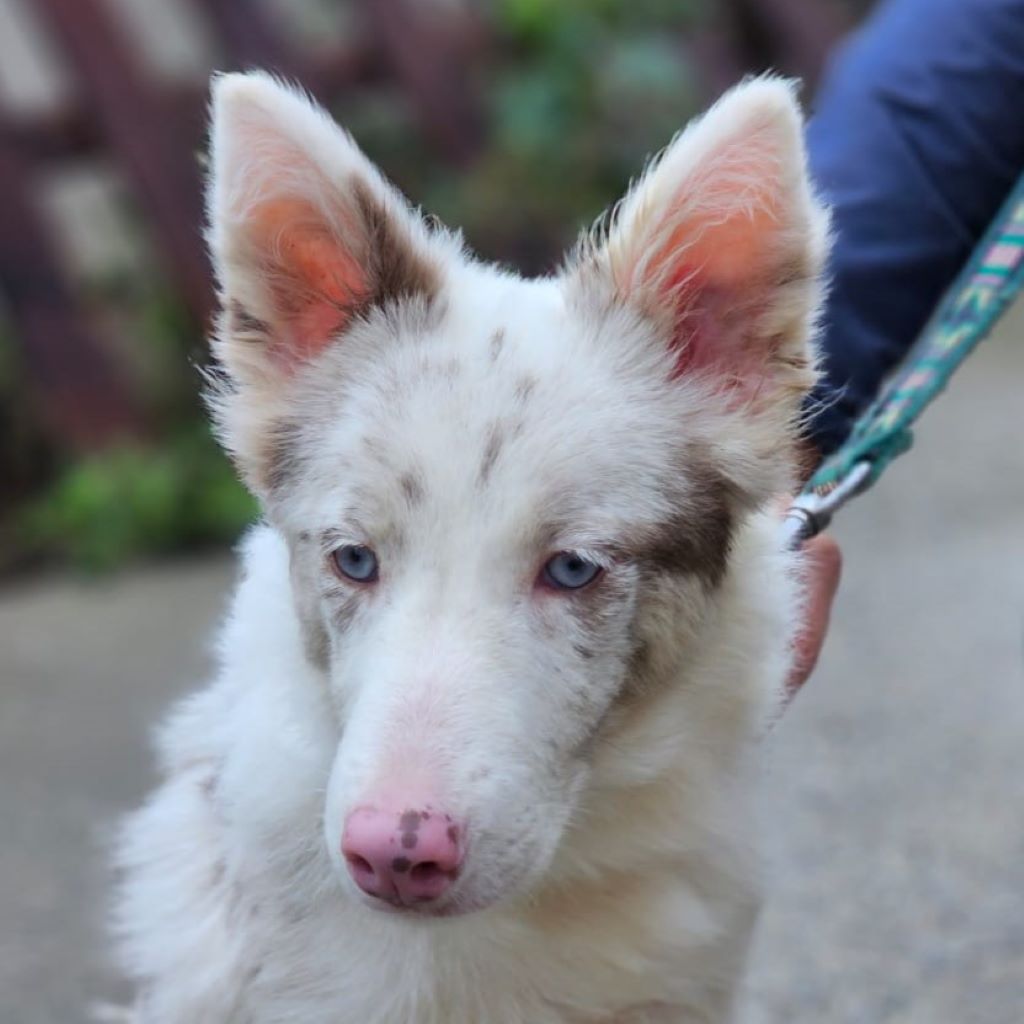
point(152, 132)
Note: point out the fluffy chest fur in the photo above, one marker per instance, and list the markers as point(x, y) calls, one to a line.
point(644, 914)
point(482, 742)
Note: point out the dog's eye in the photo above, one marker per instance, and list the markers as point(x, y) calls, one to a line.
point(569, 571)
point(355, 561)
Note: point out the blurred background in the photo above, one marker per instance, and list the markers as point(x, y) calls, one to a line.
point(896, 812)
point(518, 120)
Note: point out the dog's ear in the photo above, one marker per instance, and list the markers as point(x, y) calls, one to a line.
point(721, 243)
point(304, 232)
point(306, 237)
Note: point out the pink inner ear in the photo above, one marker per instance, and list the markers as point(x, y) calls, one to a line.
point(716, 274)
point(316, 282)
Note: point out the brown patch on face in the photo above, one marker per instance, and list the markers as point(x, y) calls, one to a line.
point(244, 326)
point(281, 458)
point(306, 569)
point(525, 387)
point(400, 865)
point(497, 344)
point(638, 674)
point(317, 645)
point(210, 784)
point(217, 875)
point(397, 271)
point(345, 611)
point(450, 369)
point(695, 539)
point(412, 487)
point(377, 451)
point(595, 608)
point(634, 685)
point(492, 449)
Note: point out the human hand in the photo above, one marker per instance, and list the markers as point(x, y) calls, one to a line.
point(822, 567)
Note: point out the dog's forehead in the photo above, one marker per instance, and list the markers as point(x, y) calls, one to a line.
point(507, 403)
point(520, 398)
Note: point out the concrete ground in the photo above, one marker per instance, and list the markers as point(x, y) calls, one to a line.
point(896, 823)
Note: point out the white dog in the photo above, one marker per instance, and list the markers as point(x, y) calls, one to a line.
point(479, 749)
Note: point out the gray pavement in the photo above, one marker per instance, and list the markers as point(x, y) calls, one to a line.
point(896, 819)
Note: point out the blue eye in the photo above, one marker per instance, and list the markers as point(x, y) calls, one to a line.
point(356, 561)
point(569, 571)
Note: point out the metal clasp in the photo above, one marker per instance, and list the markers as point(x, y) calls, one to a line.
point(813, 510)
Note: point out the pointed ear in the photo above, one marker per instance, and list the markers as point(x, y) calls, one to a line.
point(304, 232)
point(722, 243)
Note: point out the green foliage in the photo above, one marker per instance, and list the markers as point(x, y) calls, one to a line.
point(136, 500)
point(576, 95)
point(586, 91)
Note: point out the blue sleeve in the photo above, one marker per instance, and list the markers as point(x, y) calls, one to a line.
point(917, 137)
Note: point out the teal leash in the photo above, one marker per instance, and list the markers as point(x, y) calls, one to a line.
point(981, 293)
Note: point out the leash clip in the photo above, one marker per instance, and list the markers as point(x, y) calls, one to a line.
point(812, 511)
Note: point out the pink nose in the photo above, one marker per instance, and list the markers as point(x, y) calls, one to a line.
point(402, 856)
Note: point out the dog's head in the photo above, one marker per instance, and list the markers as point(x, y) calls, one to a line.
point(493, 489)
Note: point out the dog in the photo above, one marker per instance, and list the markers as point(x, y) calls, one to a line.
point(482, 744)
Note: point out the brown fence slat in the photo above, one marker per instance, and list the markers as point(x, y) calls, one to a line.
point(73, 131)
point(253, 39)
point(83, 399)
point(247, 31)
point(63, 134)
point(145, 132)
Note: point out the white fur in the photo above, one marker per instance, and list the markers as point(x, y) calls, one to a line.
point(611, 874)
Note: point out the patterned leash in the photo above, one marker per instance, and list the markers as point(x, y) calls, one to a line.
point(969, 310)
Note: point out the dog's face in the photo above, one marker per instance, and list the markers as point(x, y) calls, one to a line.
point(500, 494)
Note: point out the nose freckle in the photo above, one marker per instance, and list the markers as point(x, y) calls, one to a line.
point(427, 871)
point(410, 821)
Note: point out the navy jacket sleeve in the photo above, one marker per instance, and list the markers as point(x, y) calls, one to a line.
point(917, 137)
